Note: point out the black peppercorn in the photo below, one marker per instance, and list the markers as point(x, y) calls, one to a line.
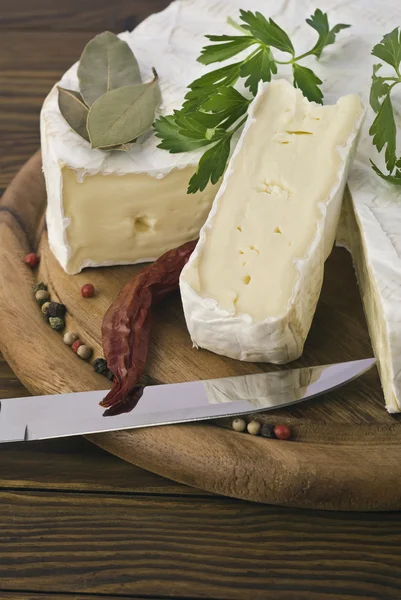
point(100, 366)
point(267, 431)
point(55, 309)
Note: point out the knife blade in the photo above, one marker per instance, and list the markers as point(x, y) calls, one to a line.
point(63, 415)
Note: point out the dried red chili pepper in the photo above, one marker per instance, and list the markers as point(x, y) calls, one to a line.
point(127, 324)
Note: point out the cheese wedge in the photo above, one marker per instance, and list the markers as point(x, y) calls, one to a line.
point(371, 230)
point(251, 286)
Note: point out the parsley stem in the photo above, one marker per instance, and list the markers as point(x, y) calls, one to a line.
point(252, 54)
point(302, 56)
point(392, 85)
point(294, 59)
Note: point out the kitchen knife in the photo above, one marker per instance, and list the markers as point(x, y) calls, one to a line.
point(62, 415)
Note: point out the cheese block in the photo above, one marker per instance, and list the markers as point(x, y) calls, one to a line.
point(251, 286)
point(108, 208)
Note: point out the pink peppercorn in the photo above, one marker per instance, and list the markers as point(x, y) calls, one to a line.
point(76, 345)
point(32, 260)
point(282, 432)
point(87, 290)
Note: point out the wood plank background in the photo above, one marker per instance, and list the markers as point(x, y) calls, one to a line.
point(76, 522)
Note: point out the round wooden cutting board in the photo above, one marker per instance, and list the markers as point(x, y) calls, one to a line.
point(346, 452)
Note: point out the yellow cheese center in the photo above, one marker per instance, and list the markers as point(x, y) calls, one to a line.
point(130, 218)
point(267, 214)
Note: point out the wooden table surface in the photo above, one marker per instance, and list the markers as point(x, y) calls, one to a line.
point(78, 523)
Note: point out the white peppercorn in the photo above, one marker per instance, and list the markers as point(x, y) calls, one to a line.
point(42, 296)
point(253, 427)
point(69, 338)
point(238, 425)
point(84, 352)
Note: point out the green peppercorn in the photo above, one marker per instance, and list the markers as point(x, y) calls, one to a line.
point(56, 310)
point(57, 323)
point(39, 286)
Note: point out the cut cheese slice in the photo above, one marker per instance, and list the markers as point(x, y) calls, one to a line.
point(251, 286)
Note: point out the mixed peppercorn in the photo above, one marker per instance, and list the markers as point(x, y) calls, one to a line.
point(275, 432)
point(55, 312)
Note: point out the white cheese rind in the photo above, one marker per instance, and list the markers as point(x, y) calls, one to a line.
point(371, 230)
point(277, 338)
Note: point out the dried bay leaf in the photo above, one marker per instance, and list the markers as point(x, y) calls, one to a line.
point(121, 147)
point(107, 63)
point(74, 111)
point(121, 115)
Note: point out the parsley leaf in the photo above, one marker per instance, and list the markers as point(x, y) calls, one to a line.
point(213, 110)
point(383, 129)
point(225, 98)
point(389, 49)
point(319, 21)
point(211, 166)
point(396, 178)
point(231, 46)
point(258, 68)
point(308, 83)
point(384, 132)
point(173, 138)
point(266, 31)
point(203, 87)
point(379, 89)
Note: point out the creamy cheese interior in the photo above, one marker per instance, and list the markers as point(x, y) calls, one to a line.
point(130, 218)
point(267, 215)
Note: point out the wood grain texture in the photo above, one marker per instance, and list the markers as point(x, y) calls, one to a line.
point(193, 548)
point(46, 596)
point(77, 465)
point(325, 467)
point(72, 15)
point(28, 70)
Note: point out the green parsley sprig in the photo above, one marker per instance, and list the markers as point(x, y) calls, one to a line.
point(214, 110)
point(384, 129)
